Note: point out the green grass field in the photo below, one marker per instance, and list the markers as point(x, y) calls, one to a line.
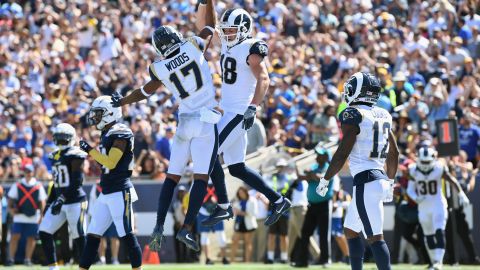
point(240, 266)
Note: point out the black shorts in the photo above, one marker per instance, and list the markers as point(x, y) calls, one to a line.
point(241, 228)
point(280, 227)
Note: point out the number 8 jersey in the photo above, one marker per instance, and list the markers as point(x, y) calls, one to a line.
point(188, 76)
point(371, 147)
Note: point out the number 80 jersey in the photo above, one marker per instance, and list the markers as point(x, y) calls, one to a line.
point(371, 146)
point(188, 76)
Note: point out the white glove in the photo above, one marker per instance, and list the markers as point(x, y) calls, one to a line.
point(211, 116)
point(388, 191)
point(322, 187)
point(462, 197)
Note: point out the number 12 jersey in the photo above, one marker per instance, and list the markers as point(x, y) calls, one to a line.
point(371, 147)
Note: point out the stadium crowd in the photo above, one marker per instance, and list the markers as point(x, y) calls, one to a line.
point(57, 56)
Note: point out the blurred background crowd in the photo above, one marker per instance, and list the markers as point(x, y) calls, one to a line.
point(56, 56)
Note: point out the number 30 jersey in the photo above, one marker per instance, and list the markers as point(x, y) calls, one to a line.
point(238, 81)
point(429, 185)
point(67, 183)
point(371, 146)
point(188, 76)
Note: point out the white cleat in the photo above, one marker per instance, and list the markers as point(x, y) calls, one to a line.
point(54, 267)
point(437, 266)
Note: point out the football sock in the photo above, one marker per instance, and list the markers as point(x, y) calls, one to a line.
point(165, 199)
point(48, 247)
point(253, 179)
point(356, 249)
point(270, 255)
point(283, 256)
point(382, 255)
point(218, 180)
point(89, 254)
point(80, 243)
point(134, 250)
point(197, 194)
point(440, 239)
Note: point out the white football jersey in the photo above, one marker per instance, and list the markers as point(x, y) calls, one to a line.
point(188, 76)
point(429, 185)
point(371, 146)
point(238, 81)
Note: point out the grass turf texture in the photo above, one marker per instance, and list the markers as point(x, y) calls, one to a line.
point(240, 266)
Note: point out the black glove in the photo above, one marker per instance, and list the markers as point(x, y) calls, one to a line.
point(249, 117)
point(57, 205)
point(117, 99)
point(85, 146)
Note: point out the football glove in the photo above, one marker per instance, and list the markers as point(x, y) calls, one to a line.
point(85, 146)
point(249, 117)
point(463, 199)
point(57, 205)
point(117, 99)
point(322, 187)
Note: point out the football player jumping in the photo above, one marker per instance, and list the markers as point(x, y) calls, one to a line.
point(368, 143)
point(245, 81)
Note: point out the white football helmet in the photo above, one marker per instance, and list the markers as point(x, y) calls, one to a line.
point(64, 136)
point(237, 19)
point(103, 113)
point(426, 158)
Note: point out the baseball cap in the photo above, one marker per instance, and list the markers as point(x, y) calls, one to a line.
point(29, 168)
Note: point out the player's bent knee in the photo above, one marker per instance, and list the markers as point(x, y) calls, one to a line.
point(94, 235)
point(237, 170)
point(374, 238)
point(200, 176)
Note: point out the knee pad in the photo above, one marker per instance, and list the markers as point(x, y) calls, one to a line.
point(440, 238)
point(134, 250)
point(430, 241)
point(237, 170)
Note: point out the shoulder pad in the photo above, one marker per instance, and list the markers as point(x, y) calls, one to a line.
point(260, 48)
point(351, 116)
point(197, 42)
point(121, 131)
point(76, 152)
point(153, 73)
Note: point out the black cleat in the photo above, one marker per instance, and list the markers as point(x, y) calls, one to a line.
point(218, 215)
point(278, 210)
point(157, 238)
point(188, 239)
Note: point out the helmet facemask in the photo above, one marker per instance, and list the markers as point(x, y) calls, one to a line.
point(243, 27)
point(95, 118)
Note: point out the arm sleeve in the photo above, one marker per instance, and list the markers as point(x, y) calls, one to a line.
point(411, 190)
point(350, 116)
point(111, 160)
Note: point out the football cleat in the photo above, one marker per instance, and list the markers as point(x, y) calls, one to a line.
point(278, 210)
point(218, 215)
point(188, 239)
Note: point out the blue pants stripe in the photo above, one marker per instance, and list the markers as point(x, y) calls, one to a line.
point(213, 158)
point(229, 127)
point(362, 212)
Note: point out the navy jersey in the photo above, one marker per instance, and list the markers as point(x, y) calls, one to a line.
point(117, 179)
point(66, 182)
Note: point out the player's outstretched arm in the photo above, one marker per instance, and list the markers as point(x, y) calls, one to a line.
point(392, 156)
point(138, 94)
point(111, 159)
point(343, 151)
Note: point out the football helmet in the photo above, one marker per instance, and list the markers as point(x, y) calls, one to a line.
point(64, 136)
point(165, 40)
point(361, 87)
point(426, 158)
point(239, 20)
point(103, 113)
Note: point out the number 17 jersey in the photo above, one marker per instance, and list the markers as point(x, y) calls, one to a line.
point(188, 76)
point(371, 146)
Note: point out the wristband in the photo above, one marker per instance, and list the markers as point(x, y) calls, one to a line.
point(143, 92)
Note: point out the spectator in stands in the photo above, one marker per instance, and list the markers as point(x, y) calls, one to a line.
point(178, 218)
point(260, 234)
point(164, 144)
point(244, 208)
point(319, 211)
point(469, 138)
point(26, 203)
point(341, 201)
point(296, 135)
point(148, 165)
point(280, 182)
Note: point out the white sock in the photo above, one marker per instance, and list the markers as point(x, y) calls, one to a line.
point(439, 252)
point(283, 256)
point(102, 259)
point(224, 206)
point(279, 200)
point(270, 255)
